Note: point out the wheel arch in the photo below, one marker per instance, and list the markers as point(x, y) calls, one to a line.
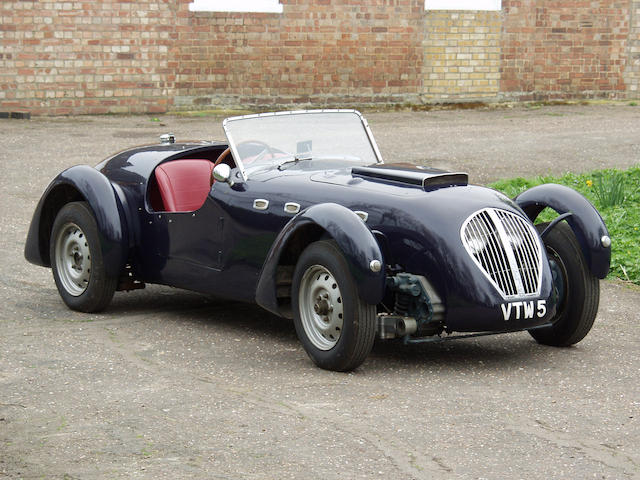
point(328, 220)
point(81, 183)
point(585, 221)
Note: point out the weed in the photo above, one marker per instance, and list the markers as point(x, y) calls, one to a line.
point(63, 424)
point(609, 188)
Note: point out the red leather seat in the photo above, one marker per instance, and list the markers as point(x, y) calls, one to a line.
point(184, 184)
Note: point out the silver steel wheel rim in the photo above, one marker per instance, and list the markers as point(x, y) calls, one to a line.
point(321, 307)
point(73, 259)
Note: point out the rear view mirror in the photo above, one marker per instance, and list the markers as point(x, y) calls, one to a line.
point(222, 173)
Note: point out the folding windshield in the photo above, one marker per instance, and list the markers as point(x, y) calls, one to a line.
point(277, 140)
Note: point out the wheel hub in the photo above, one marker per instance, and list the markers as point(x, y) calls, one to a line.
point(73, 259)
point(321, 308)
point(77, 260)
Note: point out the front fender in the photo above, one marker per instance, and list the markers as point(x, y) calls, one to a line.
point(78, 183)
point(585, 221)
point(354, 238)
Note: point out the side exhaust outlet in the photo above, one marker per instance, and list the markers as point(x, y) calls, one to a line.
point(394, 326)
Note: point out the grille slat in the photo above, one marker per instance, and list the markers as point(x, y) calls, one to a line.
point(521, 253)
point(507, 249)
point(484, 254)
point(530, 256)
point(500, 265)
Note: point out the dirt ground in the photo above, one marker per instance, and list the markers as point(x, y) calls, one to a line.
point(171, 384)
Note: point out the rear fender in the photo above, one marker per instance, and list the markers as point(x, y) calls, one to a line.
point(585, 221)
point(354, 238)
point(80, 183)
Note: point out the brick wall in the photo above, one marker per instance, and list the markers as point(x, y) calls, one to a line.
point(113, 56)
point(559, 49)
point(632, 70)
point(319, 52)
point(60, 57)
point(461, 55)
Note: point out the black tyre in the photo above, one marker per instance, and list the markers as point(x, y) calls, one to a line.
point(76, 260)
point(578, 308)
point(336, 327)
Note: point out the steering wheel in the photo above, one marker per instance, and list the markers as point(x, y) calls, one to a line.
point(266, 150)
point(223, 156)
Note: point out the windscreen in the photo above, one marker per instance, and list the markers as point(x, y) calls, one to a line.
point(282, 138)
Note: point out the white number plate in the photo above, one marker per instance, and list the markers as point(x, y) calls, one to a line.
point(524, 310)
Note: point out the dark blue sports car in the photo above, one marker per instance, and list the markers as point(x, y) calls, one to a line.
point(298, 213)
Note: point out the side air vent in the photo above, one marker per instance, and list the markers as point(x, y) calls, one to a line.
point(507, 249)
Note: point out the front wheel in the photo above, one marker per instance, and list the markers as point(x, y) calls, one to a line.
point(76, 260)
point(580, 296)
point(335, 326)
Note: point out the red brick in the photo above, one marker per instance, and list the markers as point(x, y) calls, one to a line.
point(350, 50)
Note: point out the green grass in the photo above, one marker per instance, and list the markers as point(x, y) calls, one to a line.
point(616, 195)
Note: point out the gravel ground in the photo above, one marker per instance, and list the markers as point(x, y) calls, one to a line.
point(170, 384)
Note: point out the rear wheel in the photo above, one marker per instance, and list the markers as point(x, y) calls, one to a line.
point(76, 260)
point(336, 327)
point(578, 306)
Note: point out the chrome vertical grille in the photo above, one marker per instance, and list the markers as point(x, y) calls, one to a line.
point(507, 249)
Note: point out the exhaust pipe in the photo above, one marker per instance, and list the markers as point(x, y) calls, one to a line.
point(406, 326)
point(394, 326)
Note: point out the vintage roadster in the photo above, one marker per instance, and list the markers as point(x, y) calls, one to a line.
point(298, 213)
